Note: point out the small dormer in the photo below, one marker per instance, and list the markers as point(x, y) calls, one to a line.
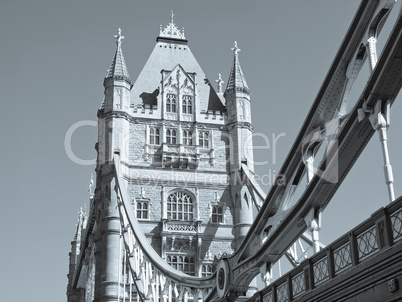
point(178, 94)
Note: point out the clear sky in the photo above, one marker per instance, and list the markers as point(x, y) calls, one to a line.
point(54, 56)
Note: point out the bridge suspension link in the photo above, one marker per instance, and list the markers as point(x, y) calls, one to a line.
point(367, 48)
point(154, 280)
point(380, 120)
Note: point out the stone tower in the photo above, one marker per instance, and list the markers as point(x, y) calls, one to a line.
point(237, 95)
point(184, 151)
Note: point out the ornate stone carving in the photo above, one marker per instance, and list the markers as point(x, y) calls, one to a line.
point(142, 192)
point(181, 228)
point(180, 245)
point(219, 82)
point(171, 31)
point(172, 149)
point(171, 116)
point(189, 150)
point(187, 117)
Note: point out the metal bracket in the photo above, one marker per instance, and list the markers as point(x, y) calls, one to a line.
point(380, 120)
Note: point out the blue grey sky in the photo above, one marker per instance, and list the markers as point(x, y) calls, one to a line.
point(54, 56)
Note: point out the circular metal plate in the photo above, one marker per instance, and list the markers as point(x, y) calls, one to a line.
point(222, 278)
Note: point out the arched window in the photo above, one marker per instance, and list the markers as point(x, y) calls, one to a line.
point(172, 261)
point(183, 263)
point(142, 209)
point(171, 136)
point(187, 104)
point(180, 206)
point(217, 214)
point(207, 270)
point(189, 265)
point(154, 136)
point(187, 137)
point(171, 102)
point(203, 139)
point(174, 105)
point(184, 105)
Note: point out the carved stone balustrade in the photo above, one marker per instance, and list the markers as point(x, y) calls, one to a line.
point(181, 227)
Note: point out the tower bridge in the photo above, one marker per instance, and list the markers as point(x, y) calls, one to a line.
point(172, 240)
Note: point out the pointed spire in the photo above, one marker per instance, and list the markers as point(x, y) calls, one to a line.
point(118, 69)
point(236, 81)
point(81, 220)
point(171, 31)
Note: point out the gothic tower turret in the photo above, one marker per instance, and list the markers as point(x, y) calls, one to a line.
point(117, 82)
point(113, 128)
point(75, 294)
point(113, 123)
point(237, 95)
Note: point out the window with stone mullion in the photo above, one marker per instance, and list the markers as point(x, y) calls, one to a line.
point(171, 136)
point(187, 137)
point(154, 136)
point(180, 206)
point(183, 263)
point(142, 210)
point(171, 103)
point(187, 104)
point(207, 270)
point(203, 139)
point(217, 214)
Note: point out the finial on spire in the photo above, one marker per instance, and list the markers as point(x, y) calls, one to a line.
point(235, 49)
point(171, 17)
point(219, 81)
point(236, 81)
point(118, 37)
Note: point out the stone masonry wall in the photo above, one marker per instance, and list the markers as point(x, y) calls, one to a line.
point(136, 141)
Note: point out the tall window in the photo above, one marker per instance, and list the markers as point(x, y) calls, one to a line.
point(154, 136)
point(217, 214)
point(171, 102)
point(203, 139)
point(185, 264)
point(142, 209)
point(171, 136)
point(187, 137)
point(187, 104)
point(180, 206)
point(207, 270)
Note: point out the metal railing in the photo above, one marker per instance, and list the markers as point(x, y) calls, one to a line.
point(381, 231)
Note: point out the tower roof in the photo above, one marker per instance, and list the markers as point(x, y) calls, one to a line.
point(236, 81)
point(170, 51)
point(171, 32)
point(118, 68)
